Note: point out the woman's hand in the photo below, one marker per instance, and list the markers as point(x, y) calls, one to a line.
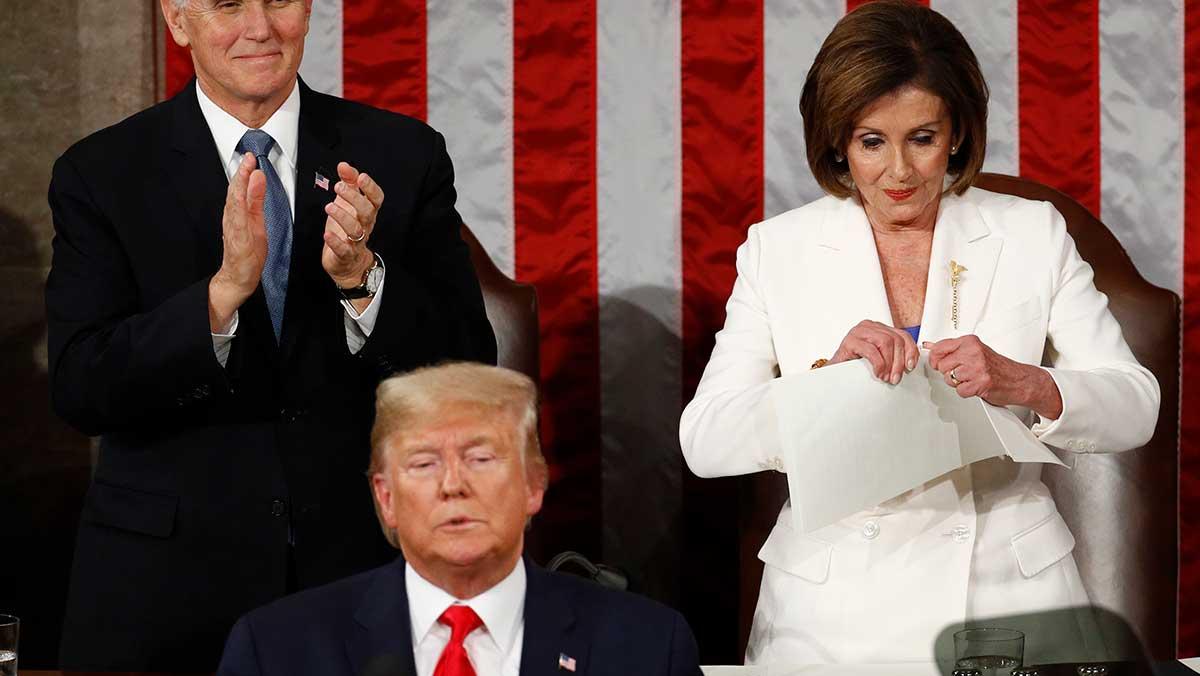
point(891, 352)
point(975, 370)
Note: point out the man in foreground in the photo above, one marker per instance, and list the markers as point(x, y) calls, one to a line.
point(217, 313)
point(457, 471)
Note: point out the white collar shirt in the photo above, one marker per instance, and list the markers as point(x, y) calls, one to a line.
point(494, 648)
point(283, 126)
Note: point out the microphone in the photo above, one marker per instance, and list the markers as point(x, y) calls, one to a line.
point(386, 664)
point(605, 576)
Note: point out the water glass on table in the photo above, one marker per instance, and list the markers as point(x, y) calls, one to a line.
point(10, 629)
point(992, 651)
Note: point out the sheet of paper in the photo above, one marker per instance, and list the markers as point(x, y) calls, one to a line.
point(868, 441)
point(1019, 442)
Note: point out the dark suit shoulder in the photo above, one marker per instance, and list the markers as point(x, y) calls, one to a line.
point(626, 633)
point(591, 598)
point(123, 142)
point(316, 606)
point(350, 115)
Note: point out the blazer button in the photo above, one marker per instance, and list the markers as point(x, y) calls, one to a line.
point(278, 507)
point(870, 530)
point(960, 533)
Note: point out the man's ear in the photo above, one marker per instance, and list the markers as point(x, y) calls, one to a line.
point(381, 487)
point(173, 16)
point(533, 501)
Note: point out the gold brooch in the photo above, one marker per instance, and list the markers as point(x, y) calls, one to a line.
point(955, 271)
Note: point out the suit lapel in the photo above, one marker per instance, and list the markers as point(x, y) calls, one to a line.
point(198, 177)
point(963, 236)
point(850, 266)
point(550, 628)
point(383, 629)
point(317, 140)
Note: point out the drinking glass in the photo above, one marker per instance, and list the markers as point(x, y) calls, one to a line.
point(994, 651)
point(10, 628)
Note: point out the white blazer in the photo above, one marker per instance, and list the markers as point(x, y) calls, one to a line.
point(982, 541)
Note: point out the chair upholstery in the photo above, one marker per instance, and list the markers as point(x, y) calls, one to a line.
point(1122, 508)
point(511, 309)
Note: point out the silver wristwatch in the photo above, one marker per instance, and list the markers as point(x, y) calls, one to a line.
point(371, 279)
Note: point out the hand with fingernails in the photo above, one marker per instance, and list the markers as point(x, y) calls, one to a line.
point(975, 370)
point(244, 244)
point(890, 351)
point(350, 218)
point(968, 365)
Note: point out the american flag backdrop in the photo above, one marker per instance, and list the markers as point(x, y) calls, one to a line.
point(613, 153)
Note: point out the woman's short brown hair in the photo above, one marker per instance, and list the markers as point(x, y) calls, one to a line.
point(873, 51)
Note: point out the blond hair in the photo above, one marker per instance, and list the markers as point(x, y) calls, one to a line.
point(407, 402)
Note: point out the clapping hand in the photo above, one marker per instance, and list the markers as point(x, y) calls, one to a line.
point(244, 244)
point(350, 220)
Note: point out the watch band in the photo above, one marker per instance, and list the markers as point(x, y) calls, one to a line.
point(362, 290)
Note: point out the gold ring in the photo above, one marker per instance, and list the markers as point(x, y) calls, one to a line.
point(361, 236)
point(953, 378)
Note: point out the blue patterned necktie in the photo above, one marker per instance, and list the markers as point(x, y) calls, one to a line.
point(277, 215)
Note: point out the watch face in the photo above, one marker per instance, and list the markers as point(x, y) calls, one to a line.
point(374, 277)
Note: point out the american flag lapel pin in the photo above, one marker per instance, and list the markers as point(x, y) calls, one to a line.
point(566, 662)
point(320, 181)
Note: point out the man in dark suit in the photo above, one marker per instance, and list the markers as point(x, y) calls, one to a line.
point(227, 289)
point(457, 472)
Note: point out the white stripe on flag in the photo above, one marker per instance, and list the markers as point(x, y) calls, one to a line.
point(1141, 165)
point(792, 34)
point(638, 239)
point(321, 67)
point(991, 30)
point(470, 80)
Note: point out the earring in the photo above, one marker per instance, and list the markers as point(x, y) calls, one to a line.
point(837, 157)
point(953, 150)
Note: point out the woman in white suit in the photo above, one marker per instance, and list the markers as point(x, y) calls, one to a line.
point(895, 111)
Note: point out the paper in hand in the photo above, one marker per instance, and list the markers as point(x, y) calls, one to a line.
point(869, 441)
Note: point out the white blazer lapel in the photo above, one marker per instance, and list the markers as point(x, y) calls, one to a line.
point(850, 268)
point(961, 235)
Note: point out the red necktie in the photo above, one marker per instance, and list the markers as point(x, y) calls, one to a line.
point(454, 662)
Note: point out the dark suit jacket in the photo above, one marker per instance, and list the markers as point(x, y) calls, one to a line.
point(206, 472)
point(342, 628)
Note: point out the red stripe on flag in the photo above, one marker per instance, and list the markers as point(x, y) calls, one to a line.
point(722, 194)
point(852, 5)
point(178, 69)
point(383, 54)
point(722, 161)
point(1058, 54)
point(1189, 419)
point(554, 205)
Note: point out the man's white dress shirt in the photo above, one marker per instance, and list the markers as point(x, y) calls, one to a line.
point(284, 127)
point(494, 648)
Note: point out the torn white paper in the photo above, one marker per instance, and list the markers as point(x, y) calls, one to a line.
point(868, 441)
